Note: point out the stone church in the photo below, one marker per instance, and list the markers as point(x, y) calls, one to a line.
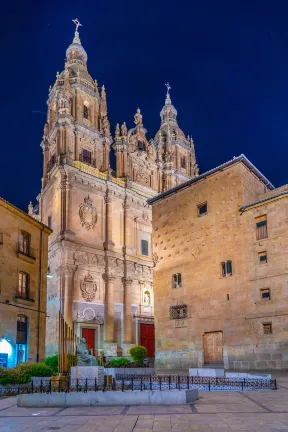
point(100, 251)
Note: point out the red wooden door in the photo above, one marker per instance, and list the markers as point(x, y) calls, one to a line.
point(148, 338)
point(89, 335)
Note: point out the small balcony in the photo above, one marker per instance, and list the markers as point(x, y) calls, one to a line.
point(24, 295)
point(24, 251)
point(88, 160)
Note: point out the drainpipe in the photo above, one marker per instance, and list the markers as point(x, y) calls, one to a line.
point(39, 291)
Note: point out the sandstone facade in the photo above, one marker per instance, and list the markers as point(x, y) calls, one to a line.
point(23, 286)
point(100, 252)
point(230, 306)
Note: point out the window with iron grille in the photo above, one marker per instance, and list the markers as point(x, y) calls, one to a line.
point(265, 294)
point(86, 156)
point(178, 311)
point(261, 227)
point(1, 238)
point(202, 209)
point(262, 257)
point(23, 285)
point(22, 327)
point(177, 280)
point(24, 242)
point(144, 247)
point(226, 268)
point(267, 328)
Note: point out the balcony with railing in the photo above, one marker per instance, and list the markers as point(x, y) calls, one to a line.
point(26, 252)
point(25, 294)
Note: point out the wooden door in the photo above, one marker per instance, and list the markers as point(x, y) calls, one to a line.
point(147, 333)
point(213, 347)
point(89, 335)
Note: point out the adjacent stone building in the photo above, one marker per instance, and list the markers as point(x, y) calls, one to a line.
point(100, 252)
point(221, 279)
point(23, 286)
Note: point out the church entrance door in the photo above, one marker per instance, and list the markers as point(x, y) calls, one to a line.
point(89, 335)
point(147, 333)
point(213, 347)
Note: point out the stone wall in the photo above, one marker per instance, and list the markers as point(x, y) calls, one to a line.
point(195, 247)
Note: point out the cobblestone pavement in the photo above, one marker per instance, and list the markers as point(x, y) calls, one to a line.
point(214, 412)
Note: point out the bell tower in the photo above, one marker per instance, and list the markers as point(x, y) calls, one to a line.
point(176, 153)
point(77, 127)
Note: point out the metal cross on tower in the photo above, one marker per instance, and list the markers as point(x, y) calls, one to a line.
point(77, 23)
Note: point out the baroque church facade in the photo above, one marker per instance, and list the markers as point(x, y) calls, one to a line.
point(100, 251)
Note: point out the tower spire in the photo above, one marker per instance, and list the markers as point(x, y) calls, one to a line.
point(168, 98)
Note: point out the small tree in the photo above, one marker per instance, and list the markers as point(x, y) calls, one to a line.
point(138, 354)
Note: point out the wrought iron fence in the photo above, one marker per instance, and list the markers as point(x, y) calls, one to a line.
point(141, 383)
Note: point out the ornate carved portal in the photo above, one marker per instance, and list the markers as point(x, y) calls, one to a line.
point(88, 288)
point(213, 347)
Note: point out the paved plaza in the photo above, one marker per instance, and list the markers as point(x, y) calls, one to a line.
point(214, 412)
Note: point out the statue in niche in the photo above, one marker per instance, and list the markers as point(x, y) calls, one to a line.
point(146, 298)
point(83, 356)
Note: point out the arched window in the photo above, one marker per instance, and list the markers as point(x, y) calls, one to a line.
point(24, 242)
point(86, 112)
point(86, 157)
point(23, 285)
point(21, 339)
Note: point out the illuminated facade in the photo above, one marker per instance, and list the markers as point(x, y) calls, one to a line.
point(100, 252)
point(23, 286)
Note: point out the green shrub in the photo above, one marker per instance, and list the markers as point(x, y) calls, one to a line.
point(119, 362)
point(138, 354)
point(23, 373)
point(52, 363)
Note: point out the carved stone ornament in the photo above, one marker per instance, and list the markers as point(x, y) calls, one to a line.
point(87, 213)
point(88, 288)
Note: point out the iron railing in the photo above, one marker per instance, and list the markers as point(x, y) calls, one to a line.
point(141, 383)
point(24, 248)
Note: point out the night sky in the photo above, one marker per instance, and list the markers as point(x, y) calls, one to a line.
point(226, 62)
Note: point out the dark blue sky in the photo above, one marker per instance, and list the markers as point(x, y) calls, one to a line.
point(226, 61)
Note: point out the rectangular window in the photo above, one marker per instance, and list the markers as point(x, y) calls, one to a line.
point(261, 227)
point(24, 243)
point(1, 238)
point(177, 280)
point(50, 222)
point(144, 247)
point(226, 267)
point(262, 257)
point(265, 294)
point(267, 328)
point(202, 209)
point(86, 157)
point(23, 285)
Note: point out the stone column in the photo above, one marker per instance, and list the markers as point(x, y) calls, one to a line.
point(109, 306)
point(109, 244)
point(128, 337)
point(68, 296)
point(45, 164)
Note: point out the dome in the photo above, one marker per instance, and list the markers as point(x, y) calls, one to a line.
point(168, 112)
point(75, 53)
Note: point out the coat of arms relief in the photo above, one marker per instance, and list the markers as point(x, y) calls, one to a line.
point(88, 287)
point(87, 214)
